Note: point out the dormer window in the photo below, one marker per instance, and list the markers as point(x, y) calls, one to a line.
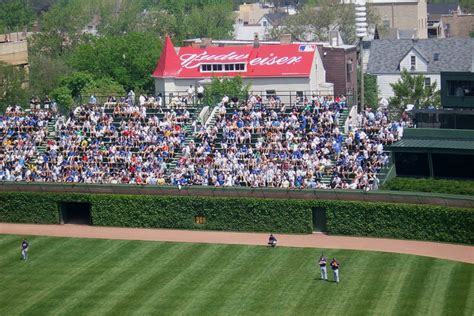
point(412, 62)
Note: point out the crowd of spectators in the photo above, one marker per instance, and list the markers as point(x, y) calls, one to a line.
point(21, 133)
point(260, 142)
point(263, 143)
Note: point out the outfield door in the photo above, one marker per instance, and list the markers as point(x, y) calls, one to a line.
point(319, 219)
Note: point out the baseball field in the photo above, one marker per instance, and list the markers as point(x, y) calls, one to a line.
point(68, 276)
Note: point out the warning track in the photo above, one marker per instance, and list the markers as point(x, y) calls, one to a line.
point(454, 252)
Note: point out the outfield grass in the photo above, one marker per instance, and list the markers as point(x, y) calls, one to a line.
point(69, 276)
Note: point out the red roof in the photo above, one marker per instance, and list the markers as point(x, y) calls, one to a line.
point(292, 60)
point(168, 65)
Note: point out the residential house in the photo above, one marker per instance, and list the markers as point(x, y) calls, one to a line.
point(244, 30)
point(424, 56)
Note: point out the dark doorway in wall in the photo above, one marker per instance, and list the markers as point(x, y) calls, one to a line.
point(75, 213)
point(319, 219)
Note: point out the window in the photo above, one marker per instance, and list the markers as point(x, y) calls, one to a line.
point(229, 67)
point(199, 219)
point(205, 68)
point(264, 23)
point(427, 82)
point(386, 23)
point(436, 56)
point(222, 67)
point(240, 67)
point(460, 88)
point(413, 62)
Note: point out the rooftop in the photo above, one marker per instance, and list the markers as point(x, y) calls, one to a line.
point(454, 54)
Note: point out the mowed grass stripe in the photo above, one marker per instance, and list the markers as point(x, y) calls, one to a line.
point(28, 276)
point(287, 284)
point(198, 293)
point(36, 248)
point(137, 290)
point(440, 275)
point(244, 287)
point(125, 269)
point(109, 268)
point(48, 299)
point(79, 277)
point(413, 287)
point(370, 286)
point(459, 294)
point(210, 302)
point(388, 301)
point(117, 291)
point(181, 281)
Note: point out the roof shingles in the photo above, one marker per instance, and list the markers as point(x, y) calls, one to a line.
point(455, 54)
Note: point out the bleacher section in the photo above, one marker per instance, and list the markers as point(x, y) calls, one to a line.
point(254, 144)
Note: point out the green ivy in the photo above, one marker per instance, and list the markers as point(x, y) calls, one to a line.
point(408, 221)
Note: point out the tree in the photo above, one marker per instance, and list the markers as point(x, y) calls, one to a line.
point(12, 81)
point(61, 29)
point(15, 15)
point(371, 91)
point(62, 96)
point(102, 87)
point(45, 73)
point(128, 60)
point(76, 82)
point(411, 89)
point(232, 87)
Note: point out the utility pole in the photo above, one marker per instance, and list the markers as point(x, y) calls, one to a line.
point(361, 32)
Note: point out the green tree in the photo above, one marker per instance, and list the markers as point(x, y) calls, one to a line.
point(102, 87)
point(128, 60)
point(411, 89)
point(76, 82)
point(61, 29)
point(232, 87)
point(15, 15)
point(12, 82)
point(63, 97)
point(371, 91)
point(45, 73)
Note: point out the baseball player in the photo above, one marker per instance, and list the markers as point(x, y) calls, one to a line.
point(335, 269)
point(322, 267)
point(24, 249)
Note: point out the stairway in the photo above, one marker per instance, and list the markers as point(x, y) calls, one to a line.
point(51, 135)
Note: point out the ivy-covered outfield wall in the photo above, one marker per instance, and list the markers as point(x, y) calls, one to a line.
point(422, 222)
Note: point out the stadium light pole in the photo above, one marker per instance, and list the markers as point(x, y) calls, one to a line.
point(361, 32)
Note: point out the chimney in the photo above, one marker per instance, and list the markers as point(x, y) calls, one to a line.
point(256, 42)
point(206, 42)
point(285, 39)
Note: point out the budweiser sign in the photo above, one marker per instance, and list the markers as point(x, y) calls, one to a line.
point(291, 60)
point(191, 61)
